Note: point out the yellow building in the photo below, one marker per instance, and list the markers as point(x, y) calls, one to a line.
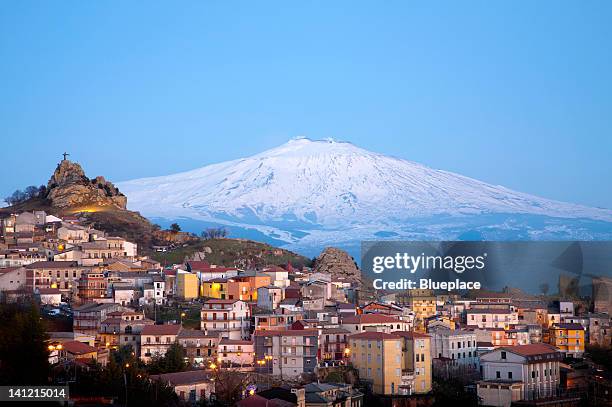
point(568, 338)
point(187, 286)
point(215, 288)
point(393, 363)
point(422, 303)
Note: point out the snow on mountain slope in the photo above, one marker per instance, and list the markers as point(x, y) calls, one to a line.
point(334, 186)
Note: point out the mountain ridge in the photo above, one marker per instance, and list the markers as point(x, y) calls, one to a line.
point(316, 187)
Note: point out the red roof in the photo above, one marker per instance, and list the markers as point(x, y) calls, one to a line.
point(51, 264)
point(531, 349)
point(78, 348)
point(161, 330)
point(369, 319)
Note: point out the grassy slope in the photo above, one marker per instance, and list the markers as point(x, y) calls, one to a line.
point(235, 252)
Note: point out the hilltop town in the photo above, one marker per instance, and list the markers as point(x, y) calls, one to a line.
point(237, 322)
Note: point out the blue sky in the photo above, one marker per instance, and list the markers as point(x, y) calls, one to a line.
point(512, 93)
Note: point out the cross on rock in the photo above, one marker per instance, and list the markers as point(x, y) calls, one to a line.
point(65, 155)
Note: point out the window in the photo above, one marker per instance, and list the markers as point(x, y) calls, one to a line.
point(509, 375)
point(503, 355)
point(498, 374)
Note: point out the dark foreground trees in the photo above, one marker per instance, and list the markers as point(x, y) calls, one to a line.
point(23, 351)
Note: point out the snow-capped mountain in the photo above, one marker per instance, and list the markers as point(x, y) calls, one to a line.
point(312, 193)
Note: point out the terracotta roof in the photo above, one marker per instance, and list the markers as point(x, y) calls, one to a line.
point(534, 349)
point(78, 348)
point(182, 378)
point(51, 264)
point(369, 319)
point(161, 330)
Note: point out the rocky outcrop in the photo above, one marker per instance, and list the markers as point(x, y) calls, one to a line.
point(68, 187)
point(337, 263)
point(342, 267)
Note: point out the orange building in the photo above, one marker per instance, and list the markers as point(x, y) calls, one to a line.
point(568, 338)
point(244, 287)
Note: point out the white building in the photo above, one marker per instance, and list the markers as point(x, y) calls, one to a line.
point(155, 340)
point(491, 318)
point(458, 345)
point(236, 352)
point(525, 372)
point(230, 318)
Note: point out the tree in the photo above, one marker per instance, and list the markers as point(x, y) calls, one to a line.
point(31, 192)
point(17, 197)
point(23, 352)
point(172, 361)
point(544, 288)
point(214, 233)
point(175, 227)
point(230, 385)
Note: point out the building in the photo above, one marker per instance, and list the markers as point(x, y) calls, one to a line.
point(123, 328)
point(333, 344)
point(230, 318)
point(92, 286)
point(525, 372)
point(13, 278)
point(186, 285)
point(332, 394)
point(87, 318)
point(269, 297)
point(200, 349)
point(192, 386)
point(244, 286)
point(156, 339)
point(287, 353)
point(396, 363)
point(374, 322)
point(50, 296)
point(214, 288)
point(75, 350)
point(64, 275)
point(568, 338)
point(456, 345)
point(236, 352)
point(276, 321)
point(421, 302)
point(491, 318)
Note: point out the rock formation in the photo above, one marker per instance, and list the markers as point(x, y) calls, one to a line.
point(342, 267)
point(68, 187)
